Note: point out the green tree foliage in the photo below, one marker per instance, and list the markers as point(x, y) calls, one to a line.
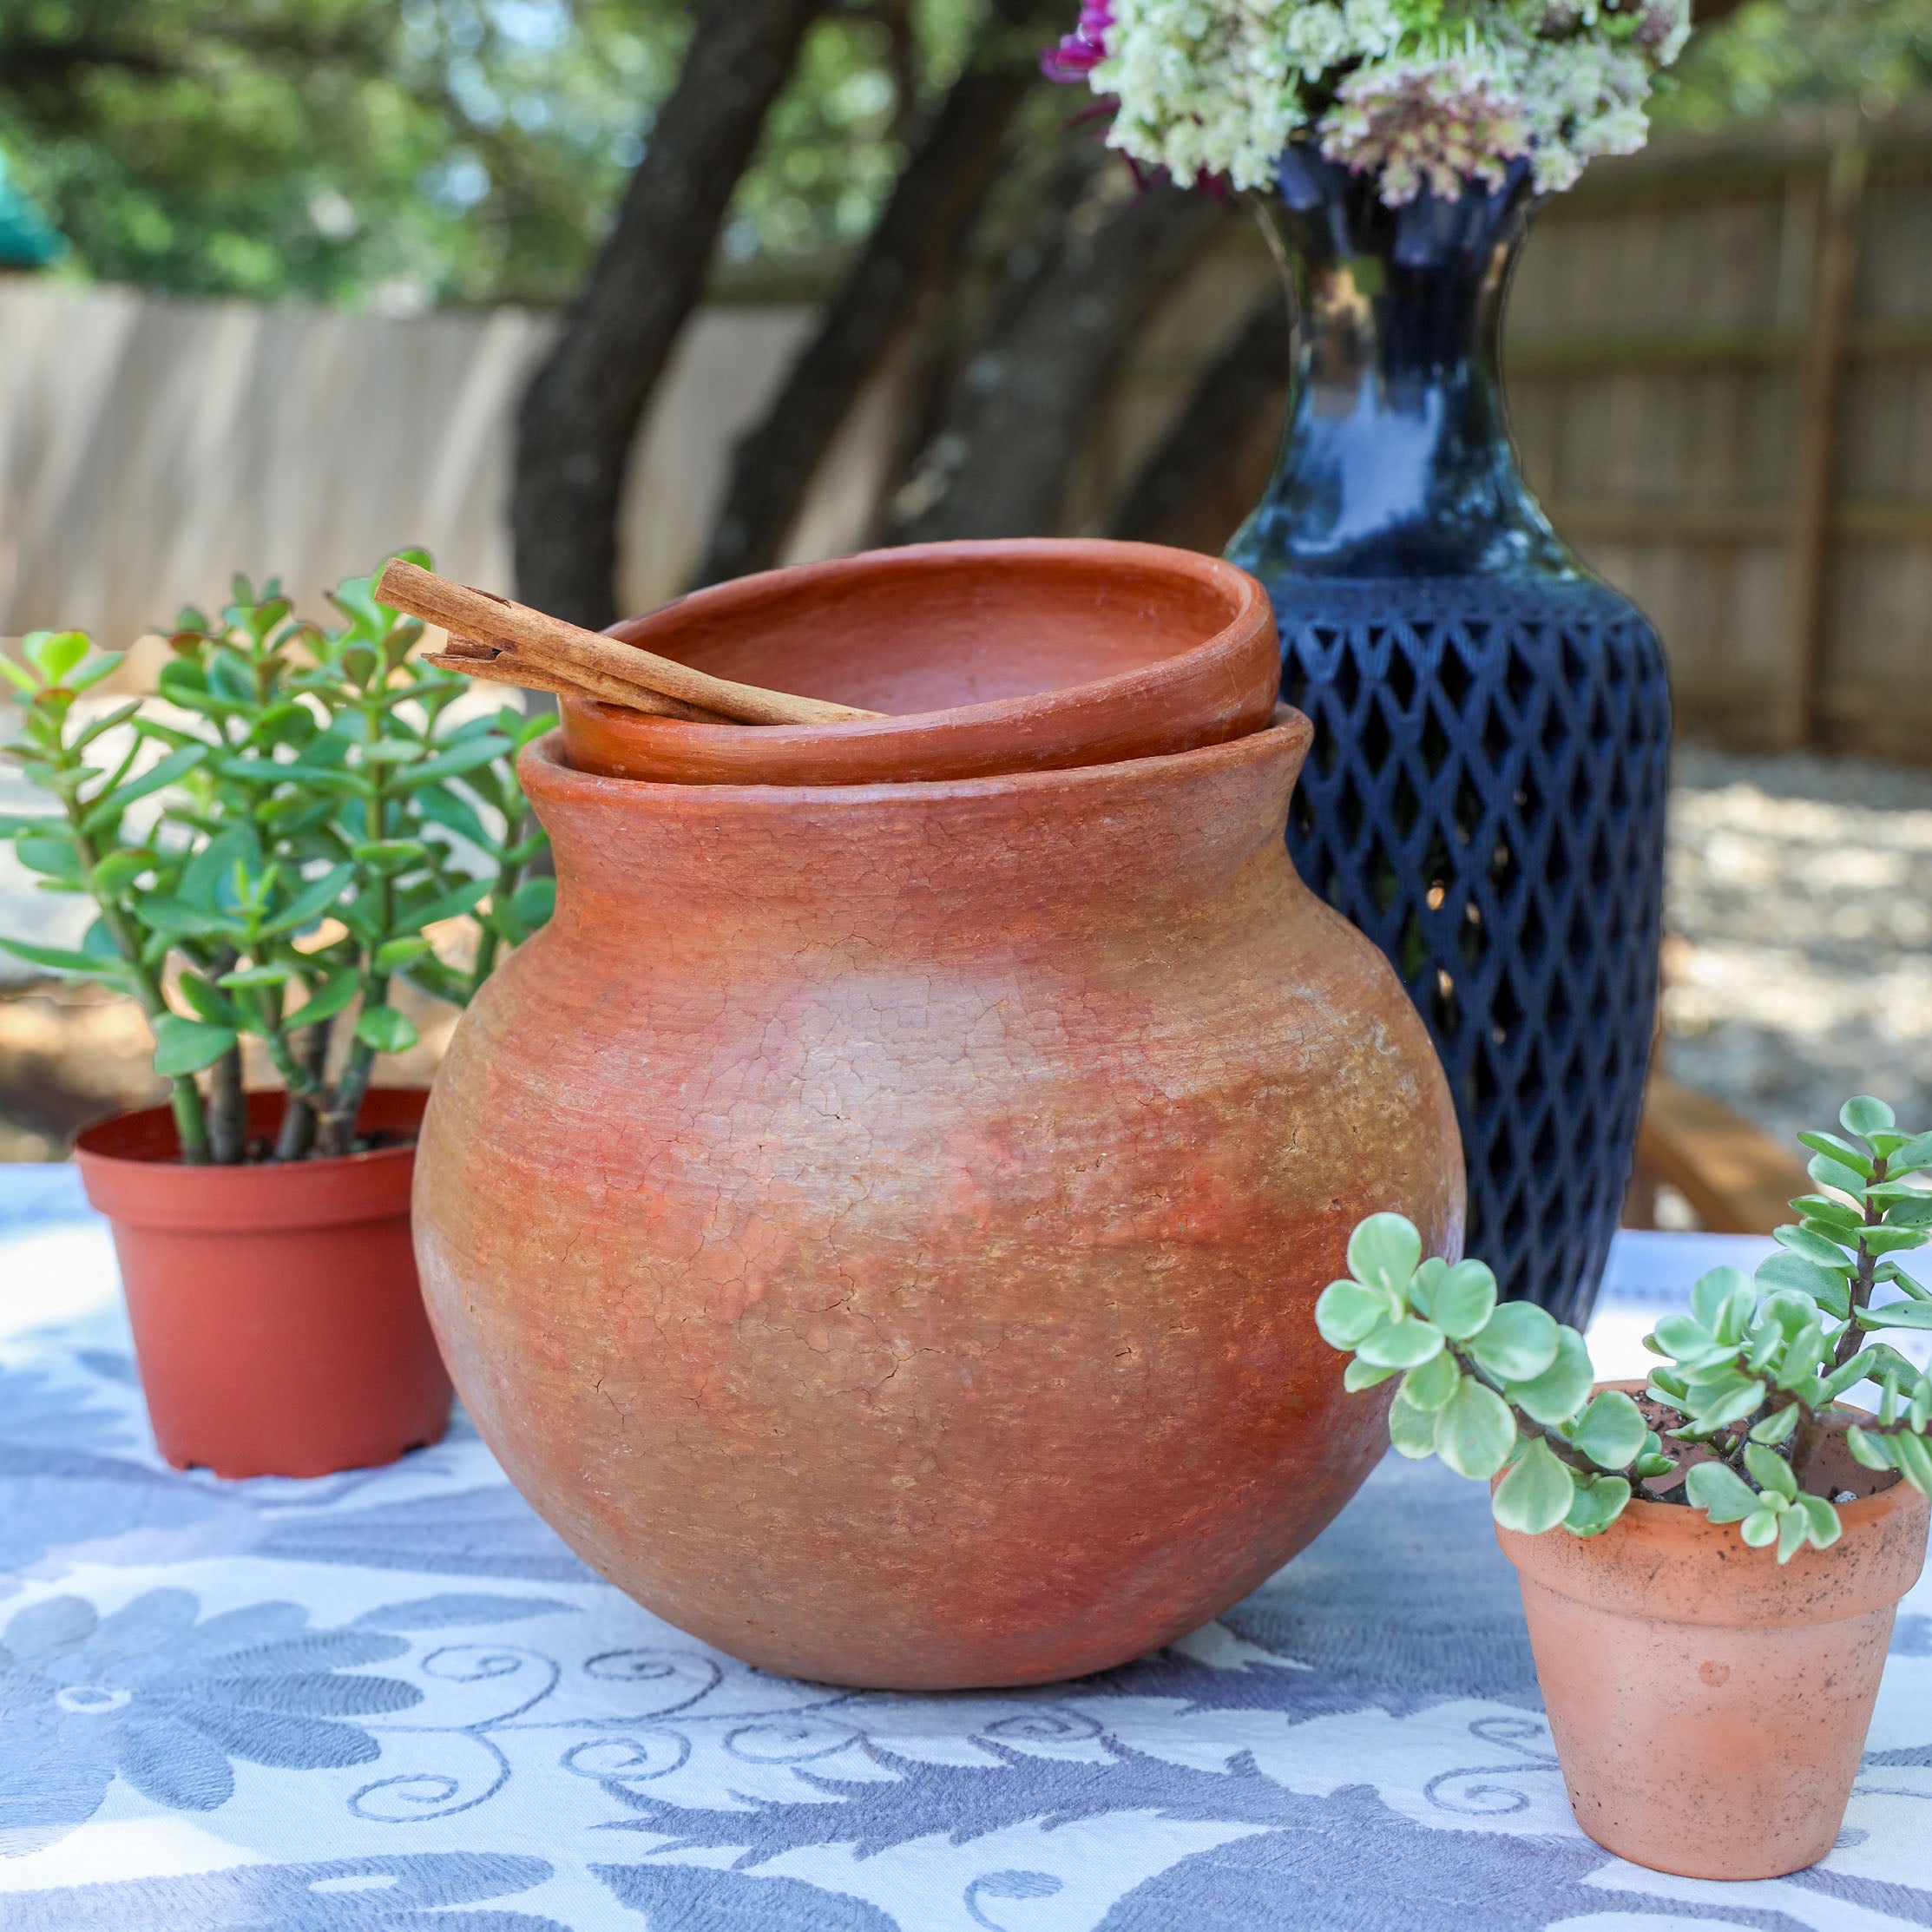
point(360, 151)
point(1774, 55)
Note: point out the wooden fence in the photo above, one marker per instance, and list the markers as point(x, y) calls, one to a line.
point(1720, 372)
point(150, 447)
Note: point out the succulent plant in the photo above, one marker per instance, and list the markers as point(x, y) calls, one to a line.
point(1750, 1384)
point(268, 851)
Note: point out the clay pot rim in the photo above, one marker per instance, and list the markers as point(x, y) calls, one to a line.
point(1648, 1508)
point(1252, 612)
point(544, 768)
point(158, 1191)
point(1858, 1573)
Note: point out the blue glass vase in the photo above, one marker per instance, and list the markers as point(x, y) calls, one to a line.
point(1485, 797)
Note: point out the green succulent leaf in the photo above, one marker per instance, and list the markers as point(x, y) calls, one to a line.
point(536, 902)
point(1422, 1289)
point(1475, 1431)
point(1913, 1459)
point(1536, 1494)
point(183, 1047)
point(1916, 1153)
point(1411, 1430)
point(1825, 1527)
point(1830, 1144)
point(1778, 1425)
point(1813, 1247)
point(1610, 1431)
point(1729, 1403)
point(1384, 1252)
point(1825, 1286)
point(1365, 1375)
point(1869, 1450)
point(57, 959)
point(1897, 1314)
point(1865, 1116)
point(336, 994)
point(1684, 1338)
point(1720, 1492)
point(397, 954)
point(1837, 1214)
point(1830, 1171)
point(1463, 1299)
point(453, 763)
point(54, 653)
point(1517, 1344)
point(385, 1029)
point(1770, 1470)
point(53, 858)
point(1347, 1313)
point(1598, 1504)
point(1723, 1302)
point(1759, 1527)
point(1794, 1531)
point(1561, 1389)
point(1403, 1344)
point(1891, 1239)
point(317, 899)
point(1432, 1385)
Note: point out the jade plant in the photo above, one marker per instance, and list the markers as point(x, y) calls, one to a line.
point(1749, 1383)
point(272, 848)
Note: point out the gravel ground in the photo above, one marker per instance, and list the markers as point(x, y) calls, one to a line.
point(1798, 967)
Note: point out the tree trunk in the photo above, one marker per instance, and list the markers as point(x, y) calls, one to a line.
point(1019, 412)
point(912, 255)
point(1213, 465)
point(580, 414)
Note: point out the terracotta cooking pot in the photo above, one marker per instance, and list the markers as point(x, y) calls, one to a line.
point(276, 1317)
point(1709, 1703)
point(1015, 656)
point(879, 1226)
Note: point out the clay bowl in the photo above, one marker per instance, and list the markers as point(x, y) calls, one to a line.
point(988, 659)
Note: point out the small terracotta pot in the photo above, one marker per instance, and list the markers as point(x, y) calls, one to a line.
point(1709, 1704)
point(1026, 656)
point(879, 1226)
point(276, 1315)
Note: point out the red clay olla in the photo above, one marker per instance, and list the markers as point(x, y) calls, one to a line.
point(879, 1226)
point(1709, 1704)
point(1024, 656)
point(277, 1319)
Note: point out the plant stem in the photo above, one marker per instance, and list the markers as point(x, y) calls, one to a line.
point(338, 1121)
point(1864, 1280)
point(228, 1112)
point(339, 1113)
point(191, 1120)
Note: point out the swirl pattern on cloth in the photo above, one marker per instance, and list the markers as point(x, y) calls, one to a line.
point(393, 1699)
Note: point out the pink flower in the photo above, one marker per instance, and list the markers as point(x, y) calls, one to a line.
point(1079, 52)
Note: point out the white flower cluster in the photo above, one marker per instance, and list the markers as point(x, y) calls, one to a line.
point(1427, 95)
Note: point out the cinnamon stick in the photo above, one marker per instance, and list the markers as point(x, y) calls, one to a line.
point(507, 668)
point(548, 644)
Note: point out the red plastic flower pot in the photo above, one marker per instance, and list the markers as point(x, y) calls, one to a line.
point(276, 1314)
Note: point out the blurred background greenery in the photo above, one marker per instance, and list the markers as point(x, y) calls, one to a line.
point(468, 152)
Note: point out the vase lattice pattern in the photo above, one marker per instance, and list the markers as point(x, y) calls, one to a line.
point(1485, 799)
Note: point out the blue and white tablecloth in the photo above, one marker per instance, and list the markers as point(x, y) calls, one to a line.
point(394, 1701)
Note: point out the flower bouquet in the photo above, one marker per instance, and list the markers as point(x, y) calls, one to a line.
point(1428, 96)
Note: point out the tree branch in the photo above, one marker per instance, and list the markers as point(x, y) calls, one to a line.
point(580, 414)
point(1019, 412)
point(913, 255)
